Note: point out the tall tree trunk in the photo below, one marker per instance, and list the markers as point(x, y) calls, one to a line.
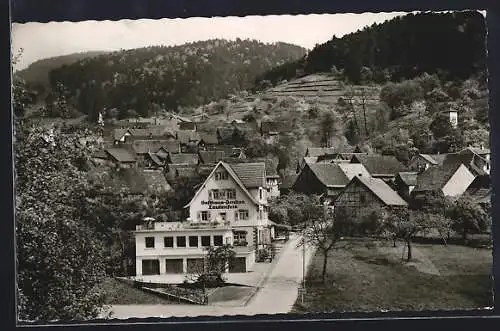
point(408, 243)
point(364, 114)
point(325, 262)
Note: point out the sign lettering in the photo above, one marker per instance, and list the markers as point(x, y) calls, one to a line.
point(222, 204)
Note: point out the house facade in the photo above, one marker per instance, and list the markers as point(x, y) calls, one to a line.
point(230, 207)
point(364, 194)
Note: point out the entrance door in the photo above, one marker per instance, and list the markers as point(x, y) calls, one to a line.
point(238, 264)
point(150, 267)
point(174, 266)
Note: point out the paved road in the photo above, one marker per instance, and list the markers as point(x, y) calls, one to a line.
point(277, 295)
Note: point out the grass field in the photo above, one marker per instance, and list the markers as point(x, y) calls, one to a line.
point(370, 276)
point(118, 293)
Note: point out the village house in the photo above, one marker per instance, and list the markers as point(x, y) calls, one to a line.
point(121, 158)
point(211, 157)
point(450, 180)
point(188, 140)
point(208, 141)
point(480, 190)
point(404, 183)
point(380, 166)
point(478, 165)
point(183, 159)
point(269, 130)
point(318, 151)
point(327, 179)
point(422, 162)
point(364, 194)
point(230, 207)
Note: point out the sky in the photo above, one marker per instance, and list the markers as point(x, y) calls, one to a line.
point(44, 40)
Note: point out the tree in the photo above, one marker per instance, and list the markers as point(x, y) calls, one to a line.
point(405, 225)
point(209, 272)
point(400, 96)
point(467, 217)
point(327, 125)
point(321, 229)
point(60, 261)
point(441, 126)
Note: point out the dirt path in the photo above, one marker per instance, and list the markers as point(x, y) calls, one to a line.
point(277, 294)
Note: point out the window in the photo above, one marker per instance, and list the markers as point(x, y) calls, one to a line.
point(217, 240)
point(223, 216)
point(219, 194)
point(181, 241)
point(221, 175)
point(228, 240)
point(242, 215)
point(231, 193)
point(260, 193)
point(204, 215)
point(240, 236)
point(205, 241)
point(150, 242)
point(168, 241)
point(193, 241)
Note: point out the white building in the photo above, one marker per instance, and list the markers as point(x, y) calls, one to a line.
point(230, 207)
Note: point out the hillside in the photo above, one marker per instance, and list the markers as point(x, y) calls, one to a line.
point(143, 81)
point(37, 73)
point(449, 44)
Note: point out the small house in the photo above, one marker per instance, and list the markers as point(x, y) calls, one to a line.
point(121, 158)
point(451, 180)
point(380, 166)
point(364, 194)
point(405, 182)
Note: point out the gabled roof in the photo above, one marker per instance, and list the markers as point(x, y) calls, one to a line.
point(409, 178)
point(379, 164)
point(156, 159)
point(183, 170)
point(353, 169)
point(209, 138)
point(119, 133)
point(309, 159)
point(100, 154)
point(318, 151)
point(329, 174)
point(232, 173)
point(185, 137)
point(381, 190)
point(148, 146)
point(211, 156)
point(476, 150)
point(172, 146)
point(468, 159)
point(429, 159)
point(184, 158)
point(156, 181)
point(121, 155)
point(252, 175)
point(436, 177)
point(229, 150)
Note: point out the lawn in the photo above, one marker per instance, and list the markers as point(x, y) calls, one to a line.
point(118, 293)
point(369, 275)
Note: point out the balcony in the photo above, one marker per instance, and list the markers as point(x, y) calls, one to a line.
point(179, 226)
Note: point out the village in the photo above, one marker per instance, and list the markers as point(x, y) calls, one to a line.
point(233, 194)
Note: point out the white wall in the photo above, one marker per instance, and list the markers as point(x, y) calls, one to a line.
point(253, 209)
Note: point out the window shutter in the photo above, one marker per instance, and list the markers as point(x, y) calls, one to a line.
point(210, 195)
point(236, 215)
point(198, 217)
point(209, 215)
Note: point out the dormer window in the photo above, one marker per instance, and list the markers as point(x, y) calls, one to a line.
point(221, 175)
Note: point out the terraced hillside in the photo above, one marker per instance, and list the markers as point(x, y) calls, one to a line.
point(325, 89)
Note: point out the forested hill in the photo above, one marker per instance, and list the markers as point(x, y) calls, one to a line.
point(143, 80)
point(451, 45)
point(37, 73)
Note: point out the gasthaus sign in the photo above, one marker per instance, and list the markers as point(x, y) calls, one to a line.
point(223, 204)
